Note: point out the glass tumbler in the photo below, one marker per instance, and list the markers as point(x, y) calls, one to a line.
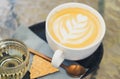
point(14, 59)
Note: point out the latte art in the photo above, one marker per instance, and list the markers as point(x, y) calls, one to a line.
point(74, 27)
point(67, 30)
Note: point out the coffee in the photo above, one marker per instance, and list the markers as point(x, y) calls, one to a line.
point(74, 27)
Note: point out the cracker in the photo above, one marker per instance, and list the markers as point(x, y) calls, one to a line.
point(41, 67)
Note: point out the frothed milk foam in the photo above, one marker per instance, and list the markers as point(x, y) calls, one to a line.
point(74, 27)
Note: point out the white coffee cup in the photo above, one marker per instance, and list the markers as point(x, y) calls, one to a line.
point(61, 52)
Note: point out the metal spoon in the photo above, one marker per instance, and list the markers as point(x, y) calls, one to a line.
point(74, 70)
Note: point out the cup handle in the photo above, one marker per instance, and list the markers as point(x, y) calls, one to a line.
point(57, 58)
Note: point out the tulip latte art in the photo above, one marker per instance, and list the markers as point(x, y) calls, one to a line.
point(74, 27)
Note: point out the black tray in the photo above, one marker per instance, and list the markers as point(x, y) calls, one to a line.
point(92, 62)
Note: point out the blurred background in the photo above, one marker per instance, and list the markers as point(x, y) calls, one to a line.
point(30, 12)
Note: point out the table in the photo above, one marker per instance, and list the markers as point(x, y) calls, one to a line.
point(29, 12)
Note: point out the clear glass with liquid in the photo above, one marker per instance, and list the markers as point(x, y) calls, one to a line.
point(14, 59)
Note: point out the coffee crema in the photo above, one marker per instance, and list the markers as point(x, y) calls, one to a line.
point(74, 27)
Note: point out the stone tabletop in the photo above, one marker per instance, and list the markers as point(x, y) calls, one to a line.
point(29, 12)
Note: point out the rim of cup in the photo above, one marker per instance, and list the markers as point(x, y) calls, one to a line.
point(78, 5)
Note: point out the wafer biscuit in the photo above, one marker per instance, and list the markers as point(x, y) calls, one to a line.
point(41, 67)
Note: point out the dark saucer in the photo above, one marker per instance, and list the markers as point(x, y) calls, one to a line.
point(92, 62)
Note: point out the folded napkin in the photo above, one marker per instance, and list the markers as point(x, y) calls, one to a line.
point(33, 41)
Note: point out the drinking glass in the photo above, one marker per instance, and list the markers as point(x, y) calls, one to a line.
point(14, 59)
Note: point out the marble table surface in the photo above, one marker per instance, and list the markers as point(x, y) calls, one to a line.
point(29, 12)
